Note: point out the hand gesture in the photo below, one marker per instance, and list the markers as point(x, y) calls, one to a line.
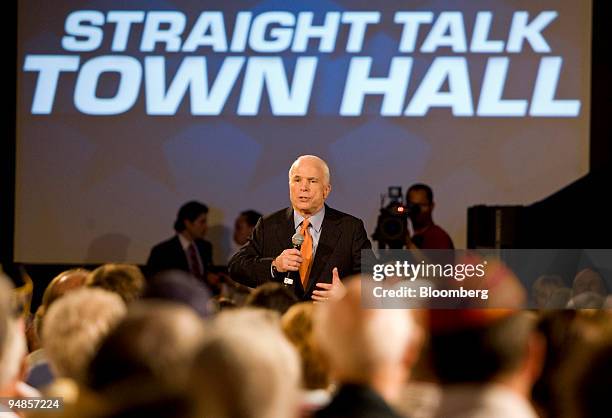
point(329, 291)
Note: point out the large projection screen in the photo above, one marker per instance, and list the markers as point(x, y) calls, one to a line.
point(126, 110)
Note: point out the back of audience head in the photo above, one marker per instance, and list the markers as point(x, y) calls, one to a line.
point(222, 303)
point(124, 279)
point(61, 284)
point(75, 326)
point(559, 299)
point(585, 381)
point(181, 287)
point(589, 280)
point(272, 296)
point(573, 339)
point(544, 287)
point(154, 343)
point(297, 324)
point(247, 315)
point(491, 346)
point(246, 369)
point(13, 346)
point(569, 336)
point(586, 300)
point(363, 345)
point(6, 289)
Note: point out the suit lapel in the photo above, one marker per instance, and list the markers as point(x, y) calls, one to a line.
point(285, 230)
point(330, 233)
point(179, 254)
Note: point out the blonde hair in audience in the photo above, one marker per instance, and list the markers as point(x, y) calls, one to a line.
point(74, 327)
point(124, 279)
point(297, 324)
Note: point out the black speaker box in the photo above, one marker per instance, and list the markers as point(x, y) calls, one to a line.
point(494, 226)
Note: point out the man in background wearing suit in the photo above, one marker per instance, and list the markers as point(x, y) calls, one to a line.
point(332, 245)
point(187, 250)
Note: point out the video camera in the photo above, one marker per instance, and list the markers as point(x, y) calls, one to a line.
point(392, 221)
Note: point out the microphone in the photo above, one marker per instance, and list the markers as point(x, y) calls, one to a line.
point(297, 239)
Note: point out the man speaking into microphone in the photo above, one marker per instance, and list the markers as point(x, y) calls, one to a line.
point(331, 248)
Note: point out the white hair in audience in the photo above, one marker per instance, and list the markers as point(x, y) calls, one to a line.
point(586, 300)
point(247, 316)
point(358, 341)
point(75, 326)
point(246, 369)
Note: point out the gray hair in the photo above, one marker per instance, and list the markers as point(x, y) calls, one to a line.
point(319, 160)
point(75, 326)
point(358, 341)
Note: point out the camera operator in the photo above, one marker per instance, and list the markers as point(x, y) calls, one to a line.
point(427, 235)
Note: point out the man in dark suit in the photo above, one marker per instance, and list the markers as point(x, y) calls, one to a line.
point(187, 250)
point(332, 245)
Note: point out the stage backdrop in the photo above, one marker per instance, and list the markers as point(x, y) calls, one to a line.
point(126, 110)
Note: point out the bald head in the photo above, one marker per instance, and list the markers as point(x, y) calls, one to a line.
point(62, 283)
point(588, 280)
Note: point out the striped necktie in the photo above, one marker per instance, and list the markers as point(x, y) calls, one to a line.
point(194, 261)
